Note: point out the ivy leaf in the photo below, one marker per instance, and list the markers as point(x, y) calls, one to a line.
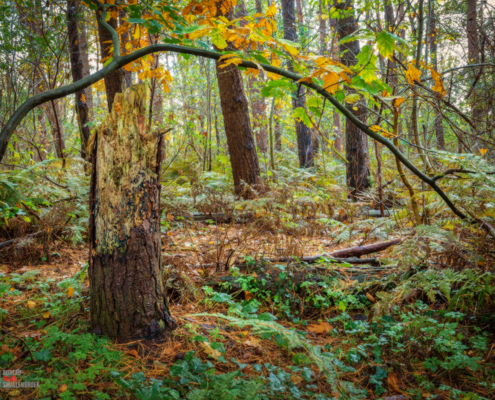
point(301, 115)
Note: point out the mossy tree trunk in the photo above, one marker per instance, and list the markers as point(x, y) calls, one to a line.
point(125, 269)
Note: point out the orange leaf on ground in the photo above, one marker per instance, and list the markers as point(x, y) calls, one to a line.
point(321, 328)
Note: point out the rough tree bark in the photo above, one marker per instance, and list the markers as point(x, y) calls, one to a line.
point(76, 65)
point(304, 145)
point(114, 82)
point(125, 267)
point(356, 144)
point(240, 141)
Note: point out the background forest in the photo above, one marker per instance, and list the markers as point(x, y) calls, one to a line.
point(247, 199)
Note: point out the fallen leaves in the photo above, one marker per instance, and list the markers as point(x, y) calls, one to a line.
point(252, 342)
point(31, 304)
point(210, 351)
point(70, 292)
point(63, 388)
point(322, 328)
point(46, 314)
point(171, 351)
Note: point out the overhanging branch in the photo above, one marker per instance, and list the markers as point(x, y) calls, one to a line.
point(119, 61)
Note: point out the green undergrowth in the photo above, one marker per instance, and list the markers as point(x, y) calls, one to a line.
point(433, 328)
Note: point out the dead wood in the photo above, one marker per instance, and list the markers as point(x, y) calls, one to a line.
point(6, 243)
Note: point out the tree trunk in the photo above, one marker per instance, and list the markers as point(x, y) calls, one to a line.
point(337, 126)
point(125, 268)
point(84, 52)
point(240, 141)
point(304, 147)
point(124, 44)
point(356, 146)
point(114, 82)
point(432, 37)
point(474, 57)
point(76, 65)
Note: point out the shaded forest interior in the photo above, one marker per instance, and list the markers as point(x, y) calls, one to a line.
point(247, 199)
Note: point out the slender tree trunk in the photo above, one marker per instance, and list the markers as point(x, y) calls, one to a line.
point(125, 270)
point(304, 146)
point(114, 82)
point(240, 141)
point(474, 56)
point(125, 43)
point(258, 106)
point(278, 129)
point(432, 38)
point(84, 52)
point(76, 65)
point(337, 126)
point(357, 152)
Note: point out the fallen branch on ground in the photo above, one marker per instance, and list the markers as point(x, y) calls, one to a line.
point(6, 243)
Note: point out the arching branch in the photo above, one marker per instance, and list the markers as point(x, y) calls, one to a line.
point(119, 61)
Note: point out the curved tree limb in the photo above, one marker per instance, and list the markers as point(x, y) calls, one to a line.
point(119, 61)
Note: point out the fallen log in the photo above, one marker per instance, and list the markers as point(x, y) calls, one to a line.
point(6, 243)
point(359, 251)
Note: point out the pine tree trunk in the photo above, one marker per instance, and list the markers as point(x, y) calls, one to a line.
point(356, 143)
point(114, 82)
point(125, 268)
point(240, 141)
point(304, 146)
point(76, 65)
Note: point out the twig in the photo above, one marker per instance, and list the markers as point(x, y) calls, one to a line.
point(18, 338)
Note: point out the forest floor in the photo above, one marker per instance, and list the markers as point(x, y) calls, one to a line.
point(248, 328)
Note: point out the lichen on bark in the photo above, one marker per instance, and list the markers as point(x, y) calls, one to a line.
point(126, 163)
point(125, 269)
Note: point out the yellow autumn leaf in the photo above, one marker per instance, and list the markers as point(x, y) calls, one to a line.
point(438, 87)
point(70, 292)
point(412, 74)
point(331, 82)
point(376, 128)
point(31, 304)
point(398, 102)
point(137, 32)
point(46, 314)
point(271, 11)
point(483, 151)
point(208, 350)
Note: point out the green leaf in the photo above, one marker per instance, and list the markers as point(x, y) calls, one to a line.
point(277, 89)
point(352, 98)
point(301, 115)
point(386, 44)
point(221, 297)
point(43, 355)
